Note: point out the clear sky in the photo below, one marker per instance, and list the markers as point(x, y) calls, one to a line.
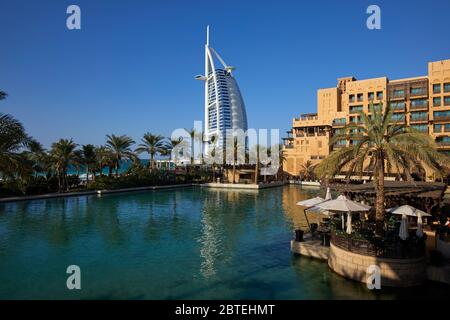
point(131, 67)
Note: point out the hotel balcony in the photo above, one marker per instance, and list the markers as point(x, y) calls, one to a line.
point(443, 144)
point(441, 118)
point(423, 106)
point(307, 117)
point(418, 119)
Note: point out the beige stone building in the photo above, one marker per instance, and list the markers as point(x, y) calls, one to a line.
point(421, 102)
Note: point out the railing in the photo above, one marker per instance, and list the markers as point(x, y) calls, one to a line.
point(443, 143)
point(441, 118)
point(419, 106)
point(382, 248)
point(323, 133)
point(338, 145)
point(419, 119)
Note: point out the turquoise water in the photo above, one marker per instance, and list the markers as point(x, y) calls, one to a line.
point(192, 243)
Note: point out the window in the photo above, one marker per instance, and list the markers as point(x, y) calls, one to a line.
point(420, 127)
point(339, 121)
point(376, 106)
point(437, 88)
point(419, 103)
point(447, 87)
point(359, 97)
point(400, 105)
point(398, 117)
point(380, 95)
point(441, 115)
point(371, 96)
point(351, 98)
point(419, 116)
point(399, 93)
point(417, 91)
point(447, 101)
point(447, 127)
point(437, 128)
point(354, 109)
point(355, 119)
point(437, 102)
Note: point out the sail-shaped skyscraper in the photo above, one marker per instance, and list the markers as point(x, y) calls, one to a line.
point(224, 106)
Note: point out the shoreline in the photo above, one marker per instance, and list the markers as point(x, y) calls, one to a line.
point(91, 193)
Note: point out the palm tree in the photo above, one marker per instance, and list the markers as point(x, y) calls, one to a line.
point(13, 138)
point(151, 144)
point(104, 158)
point(3, 95)
point(62, 154)
point(385, 146)
point(307, 170)
point(195, 136)
point(120, 148)
point(89, 160)
point(237, 155)
point(172, 148)
point(257, 149)
point(281, 159)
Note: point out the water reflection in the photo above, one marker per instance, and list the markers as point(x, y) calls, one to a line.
point(191, 243)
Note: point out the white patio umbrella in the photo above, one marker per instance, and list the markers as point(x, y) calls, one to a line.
point(403, 234)
point(310, 202)
point(349, 223)
point(342, 204)
point(408, 210)
point(328, 196)
point(419, 231)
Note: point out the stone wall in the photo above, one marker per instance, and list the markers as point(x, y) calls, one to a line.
point(394, 272)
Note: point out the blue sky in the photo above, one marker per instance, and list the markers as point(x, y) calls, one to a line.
point(131, 67)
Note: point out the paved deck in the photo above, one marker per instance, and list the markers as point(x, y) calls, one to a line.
point(310, 248)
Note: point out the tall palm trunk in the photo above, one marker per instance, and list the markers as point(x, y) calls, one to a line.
point(379, 189)
point(87, 175)
point(234, 171)
point(257, 167)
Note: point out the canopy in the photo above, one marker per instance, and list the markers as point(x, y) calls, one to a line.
point(310, 202)
point(409, 211)
point(342, 204)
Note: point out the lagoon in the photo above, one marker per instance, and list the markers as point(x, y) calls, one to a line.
point(192, 243)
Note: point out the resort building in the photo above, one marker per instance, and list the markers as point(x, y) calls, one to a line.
point(421, 102)
point(224, 106)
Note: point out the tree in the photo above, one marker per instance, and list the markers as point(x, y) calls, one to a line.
point(172, 149)
point(62, 154)
point(307, 170)
point(120, 148)
point(104, 158)
point(13, 139)
point(89, 160)
point(384, 146)
point(151, 144)
point(3, 95)
point(237, 153)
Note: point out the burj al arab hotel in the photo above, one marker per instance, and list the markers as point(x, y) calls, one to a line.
point(224, 106)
